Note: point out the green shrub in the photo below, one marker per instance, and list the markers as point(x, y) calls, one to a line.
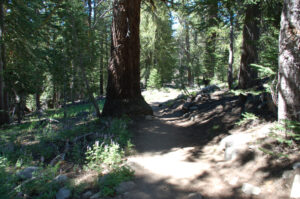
point(247, 117)
point(287, 136)
point(7, 180)
point(104, 155)
point(154, 80)
point(109, 182)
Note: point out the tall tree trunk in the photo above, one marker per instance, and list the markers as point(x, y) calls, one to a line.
point(4, 112)
point(289, 62)
point(123, 89)
point(188, 53)
point(231, 53)
point(211, 40)
point(248, 75)
point(101, 68)
point(38, 101)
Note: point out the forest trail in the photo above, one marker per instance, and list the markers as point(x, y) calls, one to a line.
point(178, 158)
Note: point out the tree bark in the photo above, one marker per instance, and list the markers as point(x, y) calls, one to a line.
point(231, 53)
point(188, 54)
point(289, 62)
point(4, 111)
point(101, 66)
point(248, 75)
point(123, 89)
point(37, 100)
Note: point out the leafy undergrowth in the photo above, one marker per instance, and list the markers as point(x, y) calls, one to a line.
point(74, 146)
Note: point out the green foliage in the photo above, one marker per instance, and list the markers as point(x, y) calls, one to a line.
point(43, 185)
point(245, 92)
point(291, 130)
point(287, 136)
point(154, 79)
point(247, 117)
point(104, 155)
point(7, 179)
point(109, 182)
point(120, 132)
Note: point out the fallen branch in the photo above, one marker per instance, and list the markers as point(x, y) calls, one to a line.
point(62, 155)
point(22, 184)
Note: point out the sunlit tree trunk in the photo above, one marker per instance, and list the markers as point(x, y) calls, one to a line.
point(248, 75)
point(289, 62)
point(4, 114)
point(123, 89)
point(231, 53)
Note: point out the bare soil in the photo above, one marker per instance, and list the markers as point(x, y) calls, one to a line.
point(178, 154)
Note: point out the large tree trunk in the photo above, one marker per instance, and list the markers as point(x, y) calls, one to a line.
point(188, 54)
point(123, 89)
point(101, 58)
point(249, 56)
point(289, 62)
point(4, 113)
point(38, 101)
point(231, 53)
point(210, 44)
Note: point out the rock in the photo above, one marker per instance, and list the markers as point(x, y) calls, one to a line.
point(9, 148)
point(87, 194)
point(63, 193)
point(103, 179)
point(181, 96)
point(250, 189)
point(125, 187)
point(149, 117)
point(189, 99)
point(210, 89)
point(288, 174)
point(295, 192)
point(96, 196)
point(61, 179)
point(192, 108)
point(194, 196)
point(296, 165)
point(198, 98)
point(231, 153)
point(27, 172)
point(186, 106)
point(235, 140)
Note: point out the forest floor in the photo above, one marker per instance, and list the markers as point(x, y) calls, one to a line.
point(180, 154)
point(197, 145)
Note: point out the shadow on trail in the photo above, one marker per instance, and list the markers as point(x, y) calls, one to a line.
point(213, 119)
point(170, 160)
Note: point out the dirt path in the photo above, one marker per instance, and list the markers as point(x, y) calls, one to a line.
point(177, 158)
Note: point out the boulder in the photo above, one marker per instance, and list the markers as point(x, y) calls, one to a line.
point(192, 108)
point(236, 152)
point(190, 99)
point(96, 196)
point(27, 172)
point(235, 140)
point(296, 165)
point(250, 189)
point(149, 117)
point(186, 106)
point(125, 187)
point(199, 98)
point(63, 193)
point(87, 195)
point(194, 196)
point(210, 89)
point(295, 192)
point(61, 178)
